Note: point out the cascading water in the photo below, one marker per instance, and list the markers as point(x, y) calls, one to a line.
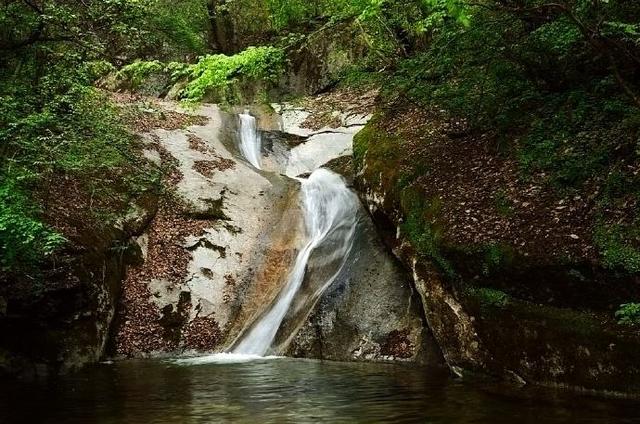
point(250, 142)
point(330, 215)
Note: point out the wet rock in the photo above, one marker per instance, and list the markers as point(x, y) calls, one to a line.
point(369, 313)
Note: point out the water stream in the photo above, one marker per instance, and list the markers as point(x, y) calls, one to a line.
point(250, 142)
point(330, 216)
point(330, 212)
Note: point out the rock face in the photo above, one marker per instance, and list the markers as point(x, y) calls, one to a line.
point(369, 313)
point(319, 60)
point(218, 253)
point(520, 313)
point(60, 320)
point(215, 254)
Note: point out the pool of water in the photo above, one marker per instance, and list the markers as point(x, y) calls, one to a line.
point(290, 391)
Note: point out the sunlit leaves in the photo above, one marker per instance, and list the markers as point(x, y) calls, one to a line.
point(214, 71)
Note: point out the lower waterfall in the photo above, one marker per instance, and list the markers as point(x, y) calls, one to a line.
point(330, 217)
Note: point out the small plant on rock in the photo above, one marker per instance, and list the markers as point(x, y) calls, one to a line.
point(490, 298)
point(629, 314)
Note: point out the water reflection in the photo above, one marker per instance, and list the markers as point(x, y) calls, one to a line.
point(289, 391)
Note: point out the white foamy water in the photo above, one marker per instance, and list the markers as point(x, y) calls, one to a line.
point(223, 358)
point(250, 142)
point(330, 213)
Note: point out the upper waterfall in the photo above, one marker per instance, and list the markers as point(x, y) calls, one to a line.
point(330, 215)
point(250, 142)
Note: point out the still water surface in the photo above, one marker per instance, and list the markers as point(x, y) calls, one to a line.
point(290, 391)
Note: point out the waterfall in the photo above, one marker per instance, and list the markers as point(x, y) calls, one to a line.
point(250, 142)
point(330, 216)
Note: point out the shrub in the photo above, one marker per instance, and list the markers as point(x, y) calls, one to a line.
point(616, 249)
point(629, 314)
point(219, 71)
point(24, 240)
point(138, 71)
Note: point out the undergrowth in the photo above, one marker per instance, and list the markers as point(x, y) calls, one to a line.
point(536, 89)
point(216, 72)
point(77, 138)
point(629, 314)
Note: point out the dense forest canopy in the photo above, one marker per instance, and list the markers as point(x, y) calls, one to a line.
point(555, 83)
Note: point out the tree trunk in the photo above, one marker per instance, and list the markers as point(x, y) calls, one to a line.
point(222, 35)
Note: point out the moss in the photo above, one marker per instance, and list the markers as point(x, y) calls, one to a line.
point(408, 175)
point(496, 307)
point(361, 145)
point(420, 227)
point(488, 297)
point(395, 174)
point(383, 154)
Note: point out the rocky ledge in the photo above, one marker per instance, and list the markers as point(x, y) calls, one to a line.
point(518, 294)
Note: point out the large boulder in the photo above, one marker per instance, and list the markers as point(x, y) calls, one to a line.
point(509, 279)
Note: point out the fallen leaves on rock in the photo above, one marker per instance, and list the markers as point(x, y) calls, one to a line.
point(202, 334)
point(144, 114)
point(326, 109)
point(142, 327)
point(398, 345)
point(479, 194)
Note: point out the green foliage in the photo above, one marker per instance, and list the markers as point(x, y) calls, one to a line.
point(490, 298)
point(62, 130)
point(616, 246)
point(179, 26)
point(177, 70)
point(538, 83)
point(214, 71)
point(97, 69)
point(138, 71)
point(356, 77)
point(290, 12)
point(629, 314)
point(496, 256)
point(24, 240)
point(211, 72)
point(118, 30)
point(56, 128)
point(558, 37)
point(220, 71)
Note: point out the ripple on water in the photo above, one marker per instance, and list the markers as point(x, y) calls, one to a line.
point(245, 389)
